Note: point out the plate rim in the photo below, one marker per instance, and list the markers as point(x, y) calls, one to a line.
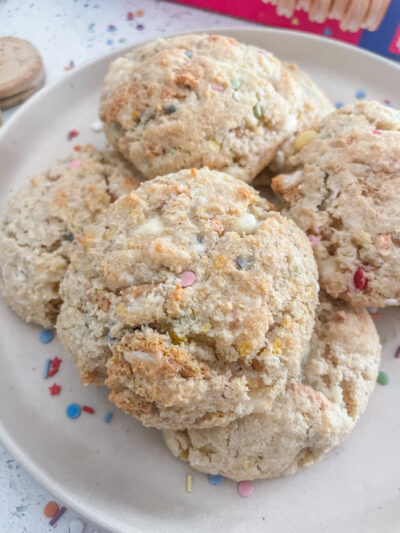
point(9, 443)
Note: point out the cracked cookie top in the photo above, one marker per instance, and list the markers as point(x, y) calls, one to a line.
point(205, 100)
point(312, 415)
point(192, 299)
point(342, 188)
point(38, 227)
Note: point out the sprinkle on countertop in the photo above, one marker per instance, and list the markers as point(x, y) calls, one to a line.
point(73, 411)
point(383, 378)
point(55, 389)
point(46, 336)
point(215, 479)
point(245, 489)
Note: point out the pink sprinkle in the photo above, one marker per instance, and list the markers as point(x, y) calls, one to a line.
point(360, 279)
point(397, 354)
point(74, 164)
point(130, 15)
point(313, 240)
point(187, 278)
point(217, 87)
point(377, 132)
point(245, 489)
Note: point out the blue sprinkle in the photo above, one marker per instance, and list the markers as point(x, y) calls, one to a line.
point(188, 54)
point(327, 32)
point(360, 94)
point(108, 417)
point(215, 479)
point(73, 411)
point(46, 369)
point(140, 27)
point(110, 336)
point(109, 42)
point(338, 105)
point(46, 336)
point(69, 237)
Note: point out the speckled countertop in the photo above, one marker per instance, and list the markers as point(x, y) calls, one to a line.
point(69, 33)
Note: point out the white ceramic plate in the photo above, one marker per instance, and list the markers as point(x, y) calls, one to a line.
point(121, 475)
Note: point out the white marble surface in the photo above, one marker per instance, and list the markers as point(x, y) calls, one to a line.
point(65, 31)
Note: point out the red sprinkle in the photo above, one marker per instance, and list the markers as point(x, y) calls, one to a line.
point(77, 148)
point(55, 389)
point(360, 279)
point(72, 134)
point(397, 354)
point(377, 132)
point(54, 366)
point(88, 409)
point(56, 361)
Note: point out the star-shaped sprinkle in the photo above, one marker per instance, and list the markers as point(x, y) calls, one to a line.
point(55, 389)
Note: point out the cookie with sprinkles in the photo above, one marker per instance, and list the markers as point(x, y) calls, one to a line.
point(192, 299)
point(204, 100)
point(309, 418)
point(41, 220)
point(342, 188)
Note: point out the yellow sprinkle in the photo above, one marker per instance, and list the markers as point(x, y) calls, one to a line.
point(108, 234)
point(176, 339)
point(303, 138)
point(121, 308)
point(134, 114)
point(189, 481)
point(361, 238)
point(277, 346)
point(220, 261)
point(244, 348)
point(251, 382)
point(205, 328)
point(286, 321)
point(214, 145)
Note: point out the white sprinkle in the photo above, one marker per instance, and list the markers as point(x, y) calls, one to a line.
point(76, 526)
point(153, 226)
point(391, 301)
point(199, 247)
point(97, 126)
point(138, 354)
point(245, 224)
point(236, 96)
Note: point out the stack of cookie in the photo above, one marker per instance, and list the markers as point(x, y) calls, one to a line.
point(197, 303)
point(21, 71)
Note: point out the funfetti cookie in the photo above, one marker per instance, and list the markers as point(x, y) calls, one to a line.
point(41, 221)
point(192, 299)
point(21, 66)
point(203, 100)
point(309, 418)
point(342, 188)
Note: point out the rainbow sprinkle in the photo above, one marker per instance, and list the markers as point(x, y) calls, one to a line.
point(189, 483)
